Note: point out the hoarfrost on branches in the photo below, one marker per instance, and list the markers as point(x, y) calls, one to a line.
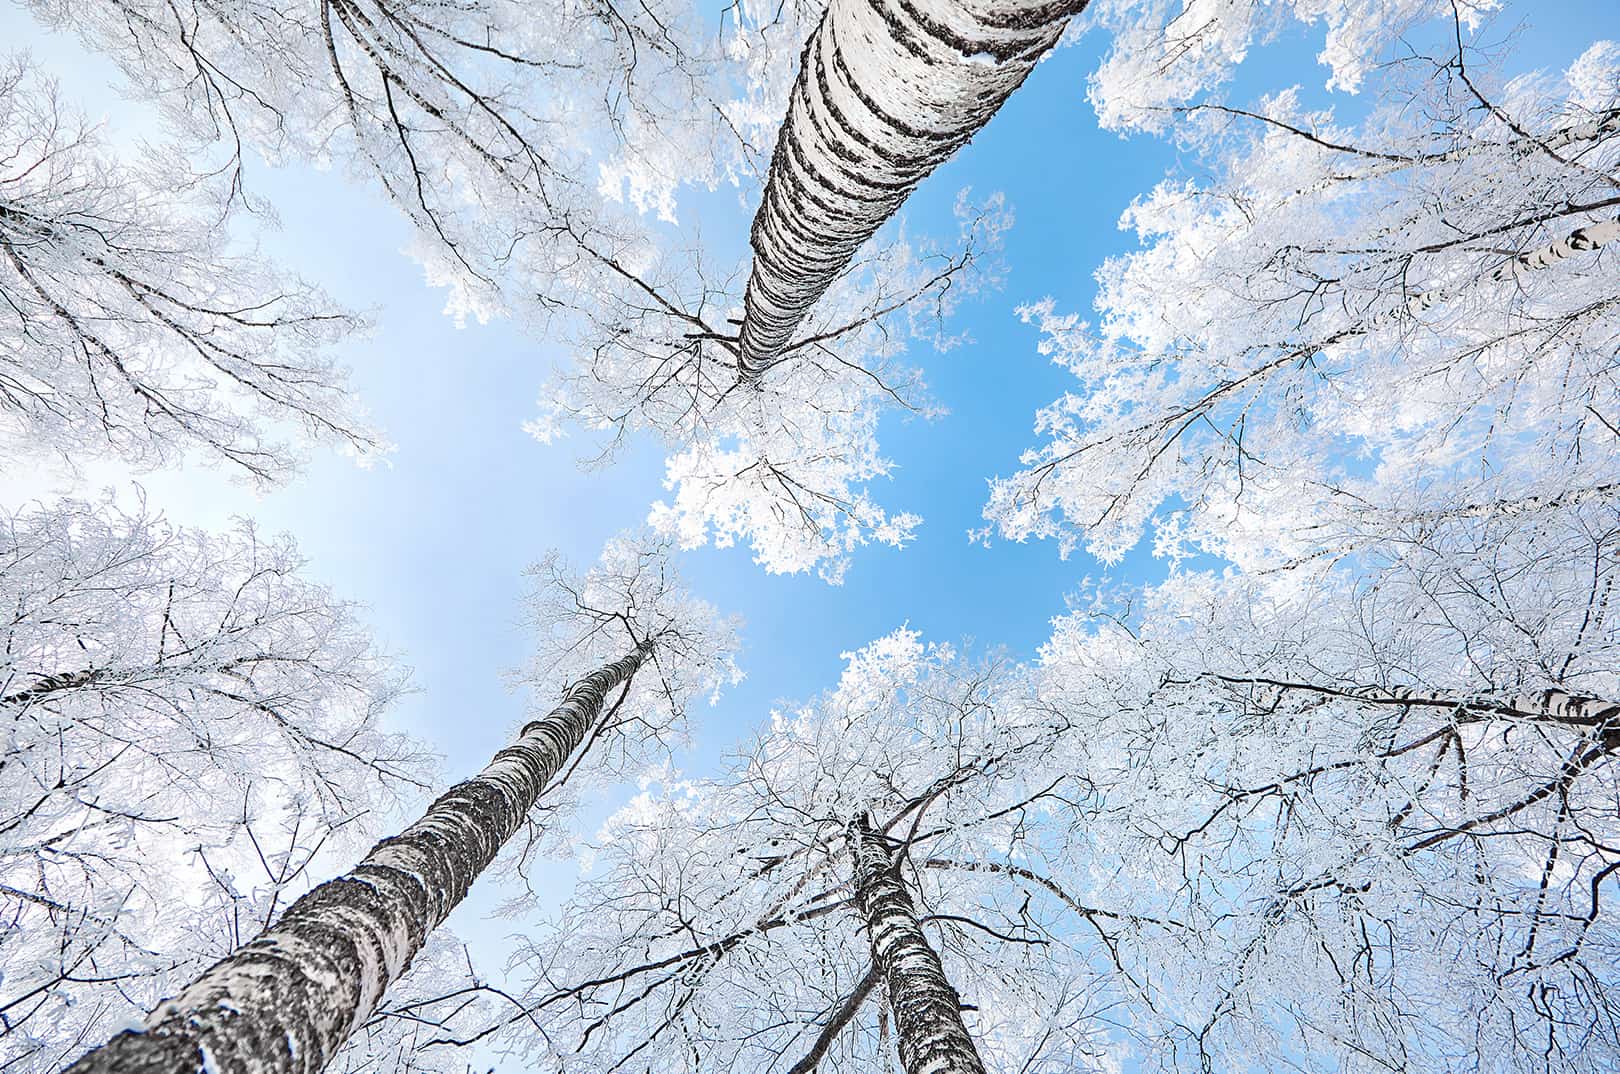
point(131, 327)
point(1167, 53)
point(1345, 327)
point(481, 121)
point(716, 930)
point(785, 462)
point(192, 734)
point(1382, 805)
point(633, 595)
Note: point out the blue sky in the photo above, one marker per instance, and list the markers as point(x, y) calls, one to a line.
point(434, 544)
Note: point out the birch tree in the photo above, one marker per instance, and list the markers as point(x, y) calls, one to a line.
point(131, 327)
point(477, 120)
point(928, 1025)
point(289, 998)
point(192, 731)
point(1386, 827)
point(882, 99)
point(731, 924)
point(879, 101)
point(1409, 315)
point(488, 125)
point(790, 467)
point(1359, 814)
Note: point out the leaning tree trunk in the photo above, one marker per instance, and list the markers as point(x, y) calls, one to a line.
point(1579, 241)
point(887, 91)
point(1596, 716)
point(927, 1010)
point(285, 1002)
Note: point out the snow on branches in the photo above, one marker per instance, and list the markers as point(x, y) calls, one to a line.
point(785, 462)
point(633, 595)
point(716, 929)
point(484, 123)
point(1353, 817)
point(1166, 53)
point(1411, 315)
point(1388, 836)
point(130, 327)
point(192, 732)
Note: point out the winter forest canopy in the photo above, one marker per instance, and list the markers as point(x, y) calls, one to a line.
point(975, 537)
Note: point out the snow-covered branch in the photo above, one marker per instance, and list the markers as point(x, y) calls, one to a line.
point(129, 325)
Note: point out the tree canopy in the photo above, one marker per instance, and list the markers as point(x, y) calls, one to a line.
point(1313, 766)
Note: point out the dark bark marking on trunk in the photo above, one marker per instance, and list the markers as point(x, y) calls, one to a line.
point(927, 1010)
point(286, 1001)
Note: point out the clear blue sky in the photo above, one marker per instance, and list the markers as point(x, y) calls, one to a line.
point(435, 544)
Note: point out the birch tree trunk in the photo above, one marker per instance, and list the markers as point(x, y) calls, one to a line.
point(1597, 716)
point(927, 1010)
point(887, 91)
point(285, 1002)
point(1579, 241)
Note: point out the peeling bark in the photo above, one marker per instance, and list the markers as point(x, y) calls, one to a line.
point(887, 91)
point(927, 1010)
point(285, 1002)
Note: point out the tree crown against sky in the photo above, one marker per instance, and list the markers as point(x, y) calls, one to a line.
point(134, 327)
point(632, 596)
point(461, 114)
point(1394, 739)
point(716, 929)
point(193, 736)
point(1343, 325)
point(1312, 814)
point(1165, 54)
point(1382, 861)
point(542, 166)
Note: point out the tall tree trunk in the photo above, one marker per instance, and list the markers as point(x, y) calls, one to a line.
point(285, 1002)
point(887, 91)
point(927, 1010)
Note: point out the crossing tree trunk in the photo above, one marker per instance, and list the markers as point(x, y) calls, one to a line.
point(1595, 716)
point(1579, 241)
point(927, 1010)
point(285, 1002)
point(887, 91)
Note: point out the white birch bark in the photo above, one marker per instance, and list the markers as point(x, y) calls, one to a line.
point(285, 1002)
point(887, 91)
point(1552, 706)
point(927, 1010)
point(1582, 239)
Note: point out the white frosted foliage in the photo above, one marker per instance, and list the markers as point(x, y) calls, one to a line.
point(133, 327)
point(1346, 328)
point(192, 735)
